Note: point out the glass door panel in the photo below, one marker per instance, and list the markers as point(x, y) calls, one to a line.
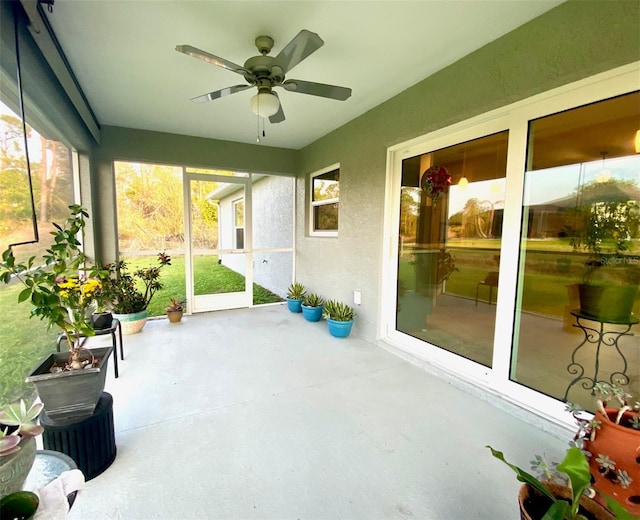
point(580, 229)
point(449, 246)
point(218, 250)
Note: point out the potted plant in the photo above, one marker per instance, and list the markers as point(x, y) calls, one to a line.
point(606, 222)
point(101, 317)
point(17, 444)
point(611, 440)
point(176, 309)
point(69, 385)
point(312, 306)
point(295, 295)
point(339, 316)
point(123, 289)
point(559, 493)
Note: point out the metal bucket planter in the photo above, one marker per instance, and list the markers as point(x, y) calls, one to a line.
point(14, 468)
point(71, 395)
point(132, 323)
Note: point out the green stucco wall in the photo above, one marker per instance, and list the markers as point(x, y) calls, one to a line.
point(575, 40)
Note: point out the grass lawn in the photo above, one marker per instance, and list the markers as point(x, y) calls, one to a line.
point(24, 342)
point(210, 277)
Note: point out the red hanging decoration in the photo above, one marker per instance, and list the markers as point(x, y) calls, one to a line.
point(436, 181)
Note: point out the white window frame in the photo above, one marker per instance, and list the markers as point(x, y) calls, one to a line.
point(234, 206)
point(313, 204)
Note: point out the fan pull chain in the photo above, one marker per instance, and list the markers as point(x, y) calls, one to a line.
point(263, 132)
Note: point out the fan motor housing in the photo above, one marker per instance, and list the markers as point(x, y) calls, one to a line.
point(261, 67)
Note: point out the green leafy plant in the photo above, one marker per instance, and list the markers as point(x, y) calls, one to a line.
point(58, 294)
point(122, 288)
point(19, 423)
point(572, 472)
point(576, 469)
point(312, 300)
point(296, 291)
point(338, 311)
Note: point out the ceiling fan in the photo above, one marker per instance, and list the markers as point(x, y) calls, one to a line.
point(266, 72)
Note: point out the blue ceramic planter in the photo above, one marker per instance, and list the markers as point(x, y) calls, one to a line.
point(294, 305)
point(339, 329)
point(312, 313)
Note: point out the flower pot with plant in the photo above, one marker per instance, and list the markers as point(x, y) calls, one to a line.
point(17, 444)
point(339, 317)
point(605, 224)
point(312, 306)
point(612, 441)
point(559, 492)
point(295, 295)
point(176, 309)
point(69, 385)
point(130, 293)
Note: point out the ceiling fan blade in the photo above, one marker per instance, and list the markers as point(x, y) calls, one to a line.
point(278, 117)
point(303, 45)
point(210, 58)
point(317, 89)
point(220, 93)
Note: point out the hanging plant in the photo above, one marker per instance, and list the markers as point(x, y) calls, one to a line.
point(436, 181)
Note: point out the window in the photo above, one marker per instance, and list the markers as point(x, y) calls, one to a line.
point(580, 228)
point(325, 194)
point(238, 223)
point(53, 178)
point(449, 247)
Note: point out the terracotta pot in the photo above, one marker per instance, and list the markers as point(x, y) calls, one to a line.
point(174, 316)
point(622, 445)
point(533, 504)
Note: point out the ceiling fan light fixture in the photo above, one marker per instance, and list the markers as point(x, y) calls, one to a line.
point(265, 104)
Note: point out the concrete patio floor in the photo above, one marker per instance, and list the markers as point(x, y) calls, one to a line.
point(257, 413)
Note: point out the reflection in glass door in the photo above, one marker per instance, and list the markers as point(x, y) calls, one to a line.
point(449, 246)
point(580, 236)
point(218, 259)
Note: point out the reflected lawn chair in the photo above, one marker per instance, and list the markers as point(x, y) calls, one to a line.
point(490, 281)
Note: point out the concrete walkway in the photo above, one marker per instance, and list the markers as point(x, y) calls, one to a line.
point(257, 413)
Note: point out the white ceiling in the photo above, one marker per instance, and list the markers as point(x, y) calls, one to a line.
point(123, 55)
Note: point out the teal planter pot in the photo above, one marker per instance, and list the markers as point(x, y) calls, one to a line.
point(294, 305)
point(312, 313)
point(339, 329)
